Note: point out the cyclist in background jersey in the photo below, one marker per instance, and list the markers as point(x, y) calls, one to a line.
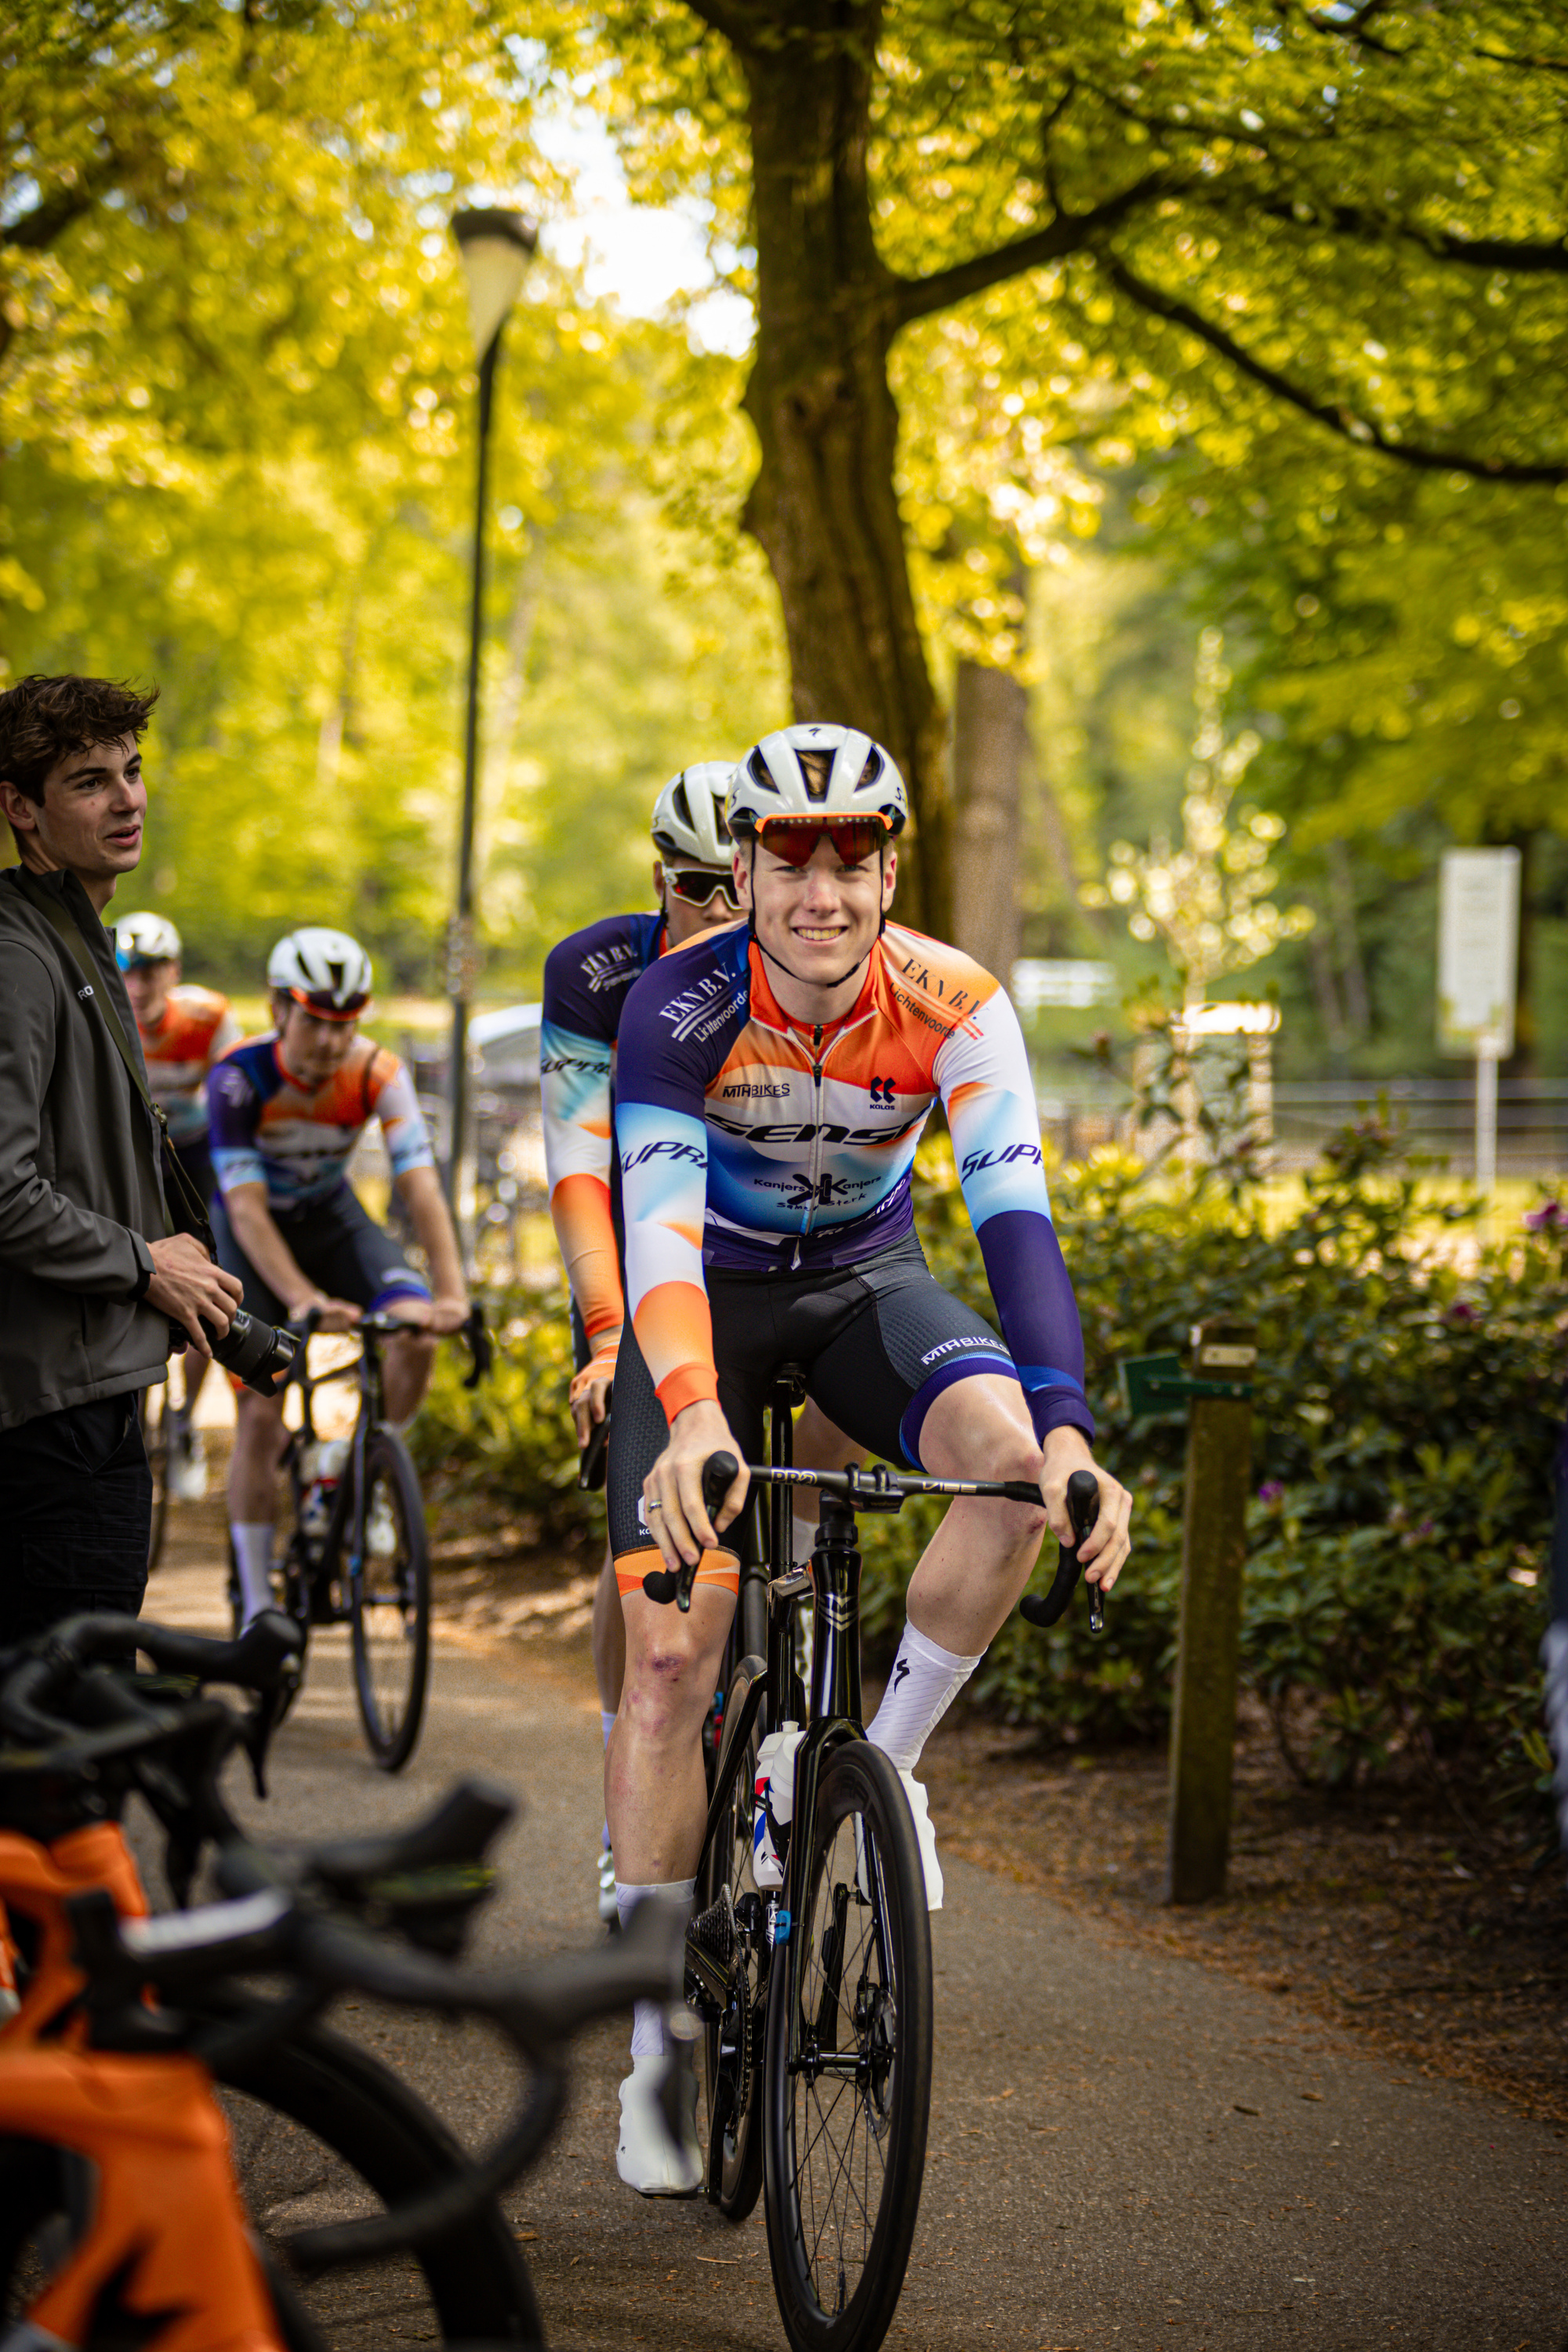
point(286, 1110)
point(183, 1032)
point(775, 1081)
point(586, 978)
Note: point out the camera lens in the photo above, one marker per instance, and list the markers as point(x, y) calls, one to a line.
point(253, 1351)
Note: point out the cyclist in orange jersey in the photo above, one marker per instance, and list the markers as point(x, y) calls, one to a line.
point(774, 1083)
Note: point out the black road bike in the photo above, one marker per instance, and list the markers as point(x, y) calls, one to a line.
point(357, 1553)
point(815, 2000)
point(369, 2215)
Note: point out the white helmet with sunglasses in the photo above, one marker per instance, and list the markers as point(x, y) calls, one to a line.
point(773, 786)
point(325, 971)
point(688, 814)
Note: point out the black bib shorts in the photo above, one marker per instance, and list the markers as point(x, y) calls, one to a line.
point(877, 1343)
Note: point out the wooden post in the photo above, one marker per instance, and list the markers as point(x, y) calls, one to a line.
point(1214, 1553)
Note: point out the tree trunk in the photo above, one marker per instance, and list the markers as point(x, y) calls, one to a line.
point(823, 506)
point(990, 744)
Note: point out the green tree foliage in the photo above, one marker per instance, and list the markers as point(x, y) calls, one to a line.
point(1310, 239)
point(238, 404)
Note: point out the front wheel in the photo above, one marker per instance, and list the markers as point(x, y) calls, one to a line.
point(847, 2091)
point(729, 1920)
point(389, 1600)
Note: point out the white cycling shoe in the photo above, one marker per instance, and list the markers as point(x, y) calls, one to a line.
point(915, 1791)
point(925, 1836)
point(647, 2158)
point(609, 1910)
point(187, 1470)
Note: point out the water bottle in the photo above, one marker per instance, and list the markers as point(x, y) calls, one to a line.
point(772, 1803)
point(321, 1468)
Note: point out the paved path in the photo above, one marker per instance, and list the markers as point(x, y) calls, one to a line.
point(1125, 2148)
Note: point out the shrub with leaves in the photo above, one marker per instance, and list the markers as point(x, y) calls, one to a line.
point(511, 1438)
point(1407, 1412)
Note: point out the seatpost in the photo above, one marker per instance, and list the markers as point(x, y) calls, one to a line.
point(836, 1651)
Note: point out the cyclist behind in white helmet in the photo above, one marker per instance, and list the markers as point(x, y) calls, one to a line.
point(587, 978)
point(773, 1083)
point(286, 1110)
point(183, 1032)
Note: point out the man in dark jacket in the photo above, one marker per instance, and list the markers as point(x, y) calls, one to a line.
point(90, 1278)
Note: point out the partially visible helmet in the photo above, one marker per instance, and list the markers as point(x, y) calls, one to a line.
point(144, 938)
point(326, 971)
point(862, 780)
point(688, 814)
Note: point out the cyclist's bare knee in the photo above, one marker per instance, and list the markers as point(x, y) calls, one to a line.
point(672, 1659)
point(407, 1363)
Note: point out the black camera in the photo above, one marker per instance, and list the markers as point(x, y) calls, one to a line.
point(257, 1353)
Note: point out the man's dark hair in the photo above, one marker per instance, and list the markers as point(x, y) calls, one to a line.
point(44, 720)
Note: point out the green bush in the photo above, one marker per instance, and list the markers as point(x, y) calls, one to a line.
point(511, 1438)
point(1405, 1418)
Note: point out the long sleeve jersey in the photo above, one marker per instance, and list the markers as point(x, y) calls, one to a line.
point(267, 1128)
point(749, 1141)
point(587, 979)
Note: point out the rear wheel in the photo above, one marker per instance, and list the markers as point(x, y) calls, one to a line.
point(389, 1600)
point(847, 2095)
point(729, 1921)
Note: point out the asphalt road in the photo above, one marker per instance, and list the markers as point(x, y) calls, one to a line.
point(1125, 2148)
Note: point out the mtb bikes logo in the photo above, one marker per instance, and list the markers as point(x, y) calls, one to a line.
point(881, 1093)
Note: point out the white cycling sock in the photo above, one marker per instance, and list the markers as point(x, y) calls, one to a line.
point(924, 1682)
point(253, 1553)
point(648, 2017)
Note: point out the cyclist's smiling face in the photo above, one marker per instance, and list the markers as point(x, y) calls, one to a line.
point(310, 1049)
point(820, 920)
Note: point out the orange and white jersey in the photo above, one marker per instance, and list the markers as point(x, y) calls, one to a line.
point(749, 1142)
point(196, 1030)
point(269, 1127)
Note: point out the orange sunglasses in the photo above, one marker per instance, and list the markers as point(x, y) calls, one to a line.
point(794, 838)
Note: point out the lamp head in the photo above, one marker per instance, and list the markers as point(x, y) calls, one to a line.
point(496, 248)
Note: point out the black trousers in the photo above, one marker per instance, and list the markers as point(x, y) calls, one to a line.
point(75, 1510)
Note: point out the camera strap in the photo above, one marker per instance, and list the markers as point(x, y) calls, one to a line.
point(184, 1210)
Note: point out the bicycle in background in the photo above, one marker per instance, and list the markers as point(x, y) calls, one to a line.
point(356, 1552)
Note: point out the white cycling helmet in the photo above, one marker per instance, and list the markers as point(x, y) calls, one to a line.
point(326, 971)
point(862, 780)
point(146, 938)
point(688, 814)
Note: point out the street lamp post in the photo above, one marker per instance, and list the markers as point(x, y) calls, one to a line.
point(495, 247)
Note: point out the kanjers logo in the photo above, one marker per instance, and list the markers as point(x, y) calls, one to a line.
point(881, 1093)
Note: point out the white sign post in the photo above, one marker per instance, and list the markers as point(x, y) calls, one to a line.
point(1477, 975)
